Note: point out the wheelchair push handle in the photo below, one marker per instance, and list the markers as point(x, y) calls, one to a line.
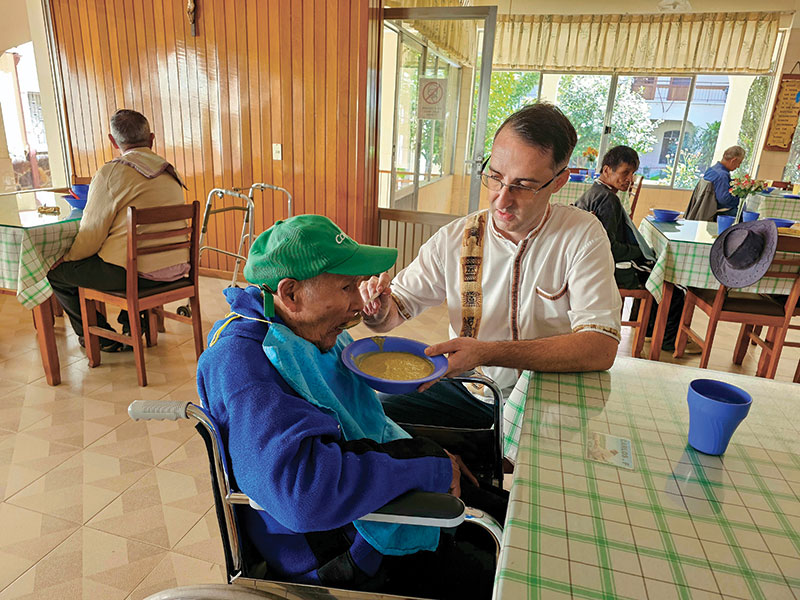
point(158, 410)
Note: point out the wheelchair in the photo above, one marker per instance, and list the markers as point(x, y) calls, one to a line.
point(244, 567)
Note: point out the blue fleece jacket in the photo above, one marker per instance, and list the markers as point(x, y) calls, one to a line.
point(292, 460)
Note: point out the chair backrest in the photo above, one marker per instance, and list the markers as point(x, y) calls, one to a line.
point(785, 266)
point(188, 233)
point(781, 185)
point(635, 198)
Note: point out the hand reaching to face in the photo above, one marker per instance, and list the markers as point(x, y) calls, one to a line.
point(376, 293)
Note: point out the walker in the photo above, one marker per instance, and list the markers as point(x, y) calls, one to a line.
point(248, 233)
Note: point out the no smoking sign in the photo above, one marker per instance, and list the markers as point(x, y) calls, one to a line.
point(432, 94)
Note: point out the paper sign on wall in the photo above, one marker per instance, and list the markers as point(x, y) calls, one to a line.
point(432, 95)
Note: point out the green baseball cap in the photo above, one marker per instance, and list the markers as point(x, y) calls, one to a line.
point(305, 246)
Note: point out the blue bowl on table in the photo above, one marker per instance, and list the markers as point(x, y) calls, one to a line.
point(662, 214)
point(392, 344)
point(80, 193)
point(768, 190)
point(75, 203)
point(782, 222)
point(577, 177)
point(715, 410)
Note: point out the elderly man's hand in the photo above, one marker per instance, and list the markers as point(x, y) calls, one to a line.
point(463, 354)
point(376, 294)
point(459, 469)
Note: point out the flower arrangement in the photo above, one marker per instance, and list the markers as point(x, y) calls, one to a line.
point(742, 187)
point(590, 154)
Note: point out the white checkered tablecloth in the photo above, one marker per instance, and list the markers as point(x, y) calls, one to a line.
point(26, 255)
point(573, 190)
point(678, 524)
point(775, 206)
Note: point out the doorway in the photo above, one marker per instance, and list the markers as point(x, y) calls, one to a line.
point(436, 68)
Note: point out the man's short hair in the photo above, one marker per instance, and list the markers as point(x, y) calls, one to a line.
point(618, 155)
point(733, 152)
point(544, 125)
point(130, 128)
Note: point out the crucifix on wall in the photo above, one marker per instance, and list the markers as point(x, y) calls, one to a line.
point(191, 9)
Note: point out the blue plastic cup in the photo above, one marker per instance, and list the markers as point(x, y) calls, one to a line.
point(749, 215)
point(715, 411)
point(723, 222)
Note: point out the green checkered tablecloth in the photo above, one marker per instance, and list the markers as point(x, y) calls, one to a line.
point(573, 190)
point(683, 249)
point(26, 255)
point(680, 524)
point(775, 205)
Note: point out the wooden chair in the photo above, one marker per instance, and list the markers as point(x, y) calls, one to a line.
point(751, 310)
point(151, 299)
point(643, 318)
point(782, 185)
point(635, 198)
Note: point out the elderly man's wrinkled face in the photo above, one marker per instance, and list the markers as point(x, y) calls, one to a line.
point(325, 304)
point(620, 178)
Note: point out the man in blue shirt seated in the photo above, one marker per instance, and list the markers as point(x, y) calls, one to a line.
point(719, 175)
point(309, 442)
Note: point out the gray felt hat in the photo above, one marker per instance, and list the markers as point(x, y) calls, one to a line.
point(743, 253)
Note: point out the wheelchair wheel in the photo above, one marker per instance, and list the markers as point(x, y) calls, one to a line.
point(184, 311)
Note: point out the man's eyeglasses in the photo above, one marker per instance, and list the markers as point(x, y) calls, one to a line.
point(519, 192)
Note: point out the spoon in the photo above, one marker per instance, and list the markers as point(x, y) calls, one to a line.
point(359, 315)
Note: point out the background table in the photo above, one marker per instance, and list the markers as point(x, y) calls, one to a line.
point(683, 250)
point(681, 524)
point(30, 243)
point(776, 205)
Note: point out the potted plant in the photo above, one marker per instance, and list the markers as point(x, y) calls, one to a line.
point(742, 187)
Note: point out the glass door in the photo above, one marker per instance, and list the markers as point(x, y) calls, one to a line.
point(430, 151)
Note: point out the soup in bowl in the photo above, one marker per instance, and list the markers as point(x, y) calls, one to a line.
point(393, 365)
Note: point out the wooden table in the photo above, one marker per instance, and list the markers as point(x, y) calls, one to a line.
point(30, 242)
point(679, 524)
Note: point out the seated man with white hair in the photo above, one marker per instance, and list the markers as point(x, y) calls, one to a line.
point(719, 175)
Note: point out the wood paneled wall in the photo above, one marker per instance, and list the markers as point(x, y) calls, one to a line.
point(302, 73)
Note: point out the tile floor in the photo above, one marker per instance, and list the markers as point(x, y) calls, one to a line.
point(94, 505)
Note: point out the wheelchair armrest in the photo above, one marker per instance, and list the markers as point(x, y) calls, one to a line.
point(421, 508)
point(429, 509)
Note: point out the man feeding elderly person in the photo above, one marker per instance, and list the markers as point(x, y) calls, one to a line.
point(308, 440)
point(528, 285)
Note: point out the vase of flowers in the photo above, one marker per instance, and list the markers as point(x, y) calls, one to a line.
point(742, 187)
point(590, 156)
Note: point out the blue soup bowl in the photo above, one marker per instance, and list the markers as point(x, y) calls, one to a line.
point(782, 222)
point(392, 344)
point(75, 203)
point(715, 410)
point(662, 214)
point(577, 176)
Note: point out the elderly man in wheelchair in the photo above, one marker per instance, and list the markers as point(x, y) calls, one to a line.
point(308, 441)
